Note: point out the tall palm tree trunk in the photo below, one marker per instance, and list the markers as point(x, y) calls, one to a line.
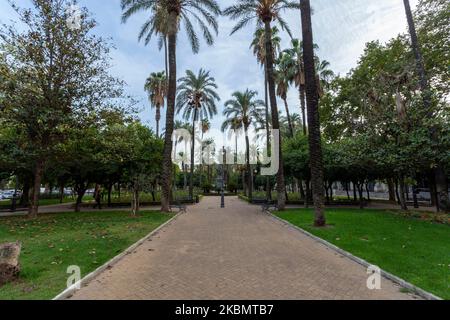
point(167, 154)
point(439, 172)
point(166, 56)
point(249, 167)
point(158, 119)
point(266, 97)
point(315, 145)
point(288, 115)
point(303, 107)
point(191, 178)
point(281, 188)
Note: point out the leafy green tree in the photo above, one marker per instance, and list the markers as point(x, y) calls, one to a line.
point(56, 78)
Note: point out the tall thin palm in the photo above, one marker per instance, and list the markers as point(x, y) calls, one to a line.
point(196, 100)
point(324, 75)
point(265, 12)
point(283, 75)
point(205, 126)
point(156, 87)
point(175, 12)
point(441, 197)
point(242, 111)
point(295, 54)
point(312, 97)
point(259, 50)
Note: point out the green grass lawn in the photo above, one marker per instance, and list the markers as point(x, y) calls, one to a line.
point(415, 250)
point(51, 243)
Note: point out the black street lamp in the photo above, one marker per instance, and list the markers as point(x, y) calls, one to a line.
point(222, 200)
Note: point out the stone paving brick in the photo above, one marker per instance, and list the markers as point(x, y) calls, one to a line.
point(234, 253)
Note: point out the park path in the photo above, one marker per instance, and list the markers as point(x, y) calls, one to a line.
point(233, 253)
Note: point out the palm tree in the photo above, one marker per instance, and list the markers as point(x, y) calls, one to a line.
point(265, 12)
point(324, 75)
point(295, 56)
point(283, 76)
point(156, 25)
point(439, 172)
point(241, 112)
point(209, 144)
point(197, 100)
point(183, 154)
point(205, 126)
point(205, 13)
point(156, 87)
point(259, 50)
point(312, 97)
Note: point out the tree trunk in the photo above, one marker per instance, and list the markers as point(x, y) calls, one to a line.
point(249, 167)
point(308, 192)
point(301, 189)
point(391, 187)
point(397, 194)
point(61, 193)
point(347, 187)
point(266, 97)
point(361, 197)
point(315, 143)
point(81, 191)
point(441, 190)
point(402, 193)
point(368, 191)
point(170, 114)
point(166, 57)
point(440, 178)
point(34, 204)
point(158, 119)
point(281, 188)
point(191, 178)
point(288, 115)
point(303, 108)
point(25, 199)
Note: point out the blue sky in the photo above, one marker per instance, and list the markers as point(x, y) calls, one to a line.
point(341, 29)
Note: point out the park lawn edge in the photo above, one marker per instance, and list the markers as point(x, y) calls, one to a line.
point(69, 292)
point(403, 283)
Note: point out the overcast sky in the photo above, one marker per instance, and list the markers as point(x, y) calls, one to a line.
point(341, 29)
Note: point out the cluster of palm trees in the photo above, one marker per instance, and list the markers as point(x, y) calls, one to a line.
point(164, 20)
point(297, 65)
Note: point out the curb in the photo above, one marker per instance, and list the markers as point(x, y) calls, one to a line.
point(414, 289)
point(83, 282)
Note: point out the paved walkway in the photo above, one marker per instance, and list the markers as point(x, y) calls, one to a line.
point(233, 253)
